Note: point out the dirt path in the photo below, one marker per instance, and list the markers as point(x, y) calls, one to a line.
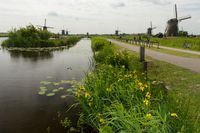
point(188, 63)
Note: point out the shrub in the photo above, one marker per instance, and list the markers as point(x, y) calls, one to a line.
point(31, 36)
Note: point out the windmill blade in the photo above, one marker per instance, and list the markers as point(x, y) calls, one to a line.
point(45, 22)
point(184, 18)
point(153, 28)
point(151, 24)
point(49, 27)
point(39, 26)
point(176, 13)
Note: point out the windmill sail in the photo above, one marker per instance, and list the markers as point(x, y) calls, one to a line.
point(184, 18)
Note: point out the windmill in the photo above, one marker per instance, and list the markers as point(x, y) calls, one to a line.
point(117, 32)
point(67, 32)
point(45, 27)
point(63, 32)
point(172, 24)
point(150, 29)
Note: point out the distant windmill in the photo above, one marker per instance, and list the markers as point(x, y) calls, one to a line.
point(63, 32)
point(45, 27)
point(150, 29)
point(172, 24)
point(67, 32)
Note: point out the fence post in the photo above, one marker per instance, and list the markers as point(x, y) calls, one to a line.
point(142, 53)
point(144, 67)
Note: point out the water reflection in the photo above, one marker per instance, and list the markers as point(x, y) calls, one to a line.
point(33, 56)
point(22, 110)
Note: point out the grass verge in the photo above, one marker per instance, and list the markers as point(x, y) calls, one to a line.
point(117, 97)
point(183, 92)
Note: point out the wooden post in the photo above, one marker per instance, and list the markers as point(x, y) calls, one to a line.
point(142, 53)
point(144, 67)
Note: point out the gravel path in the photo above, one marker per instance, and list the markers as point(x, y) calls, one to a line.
point(188, 63)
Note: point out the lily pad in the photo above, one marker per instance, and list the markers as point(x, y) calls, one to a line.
point(60, 88)
point(50, 94)
point(41, 92)
point(63, 96)
point(55, 90)
point(56, 83)
point(69, 90)
point(65, 81)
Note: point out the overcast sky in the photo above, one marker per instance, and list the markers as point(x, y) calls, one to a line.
point(98, 16)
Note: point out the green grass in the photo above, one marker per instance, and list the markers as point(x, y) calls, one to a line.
point(117, 97)
point(173, 52)
point(184, 89)
point(176, 42)
point(177, 53)
point(183, 94)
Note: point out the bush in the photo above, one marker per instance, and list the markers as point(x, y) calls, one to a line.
point(31, 36)
point(98, 43)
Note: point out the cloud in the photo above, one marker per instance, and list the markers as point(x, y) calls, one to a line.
point(53, 14)
point(118, 5)
point(159, 2)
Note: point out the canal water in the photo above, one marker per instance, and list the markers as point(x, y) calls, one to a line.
point(22, 110)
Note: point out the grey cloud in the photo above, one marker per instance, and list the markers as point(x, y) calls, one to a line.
point(53, 14)
point(159, 2)
point(119, 4)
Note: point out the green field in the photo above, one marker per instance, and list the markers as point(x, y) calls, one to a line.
point(190, 43)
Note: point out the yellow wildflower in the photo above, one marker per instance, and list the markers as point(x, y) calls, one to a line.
point(82, 87)
point(139, 84)
point(148, 115)
point(142, 88)
point(148, 95)
point(123, 66)
point(101, 120)
point(174, 115)
point(78, 94)
point(145, 85)
point(146, 102)
point(87, 94)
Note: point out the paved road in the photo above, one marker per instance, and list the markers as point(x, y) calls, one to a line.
point(188, 63)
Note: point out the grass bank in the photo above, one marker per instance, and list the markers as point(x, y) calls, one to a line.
point(117, 97)
point(183, 92)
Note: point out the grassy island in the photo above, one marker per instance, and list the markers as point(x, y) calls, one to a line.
point(32, 37)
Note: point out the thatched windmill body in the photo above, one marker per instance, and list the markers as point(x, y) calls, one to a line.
point(150, 29)
point(172, 24)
